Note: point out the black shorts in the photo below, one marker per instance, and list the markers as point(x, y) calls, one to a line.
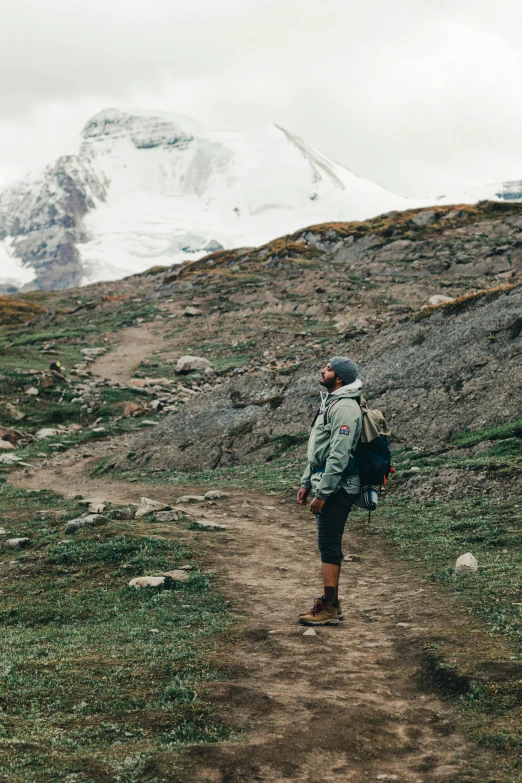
point(330, 526)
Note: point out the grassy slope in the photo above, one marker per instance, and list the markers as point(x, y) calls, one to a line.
point(97, 677)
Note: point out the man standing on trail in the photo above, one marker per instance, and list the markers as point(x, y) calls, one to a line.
point(332, 475)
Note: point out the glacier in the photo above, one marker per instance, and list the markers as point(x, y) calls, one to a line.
point(154, 188)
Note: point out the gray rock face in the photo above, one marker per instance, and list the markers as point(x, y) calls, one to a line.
point(43, 215)
point(428, 364)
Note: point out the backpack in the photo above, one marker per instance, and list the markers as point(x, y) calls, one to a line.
point(372, 455)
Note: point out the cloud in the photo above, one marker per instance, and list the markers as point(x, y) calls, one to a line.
point(423, 97)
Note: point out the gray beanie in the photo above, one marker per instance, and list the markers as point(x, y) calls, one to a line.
point(345, 369)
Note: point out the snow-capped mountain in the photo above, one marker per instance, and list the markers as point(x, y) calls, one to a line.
point(149, 188)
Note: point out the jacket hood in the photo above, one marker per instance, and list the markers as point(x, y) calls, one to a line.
point(345, 392)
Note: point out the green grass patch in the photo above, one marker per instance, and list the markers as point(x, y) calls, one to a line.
point(501, 432)
point(97, 678)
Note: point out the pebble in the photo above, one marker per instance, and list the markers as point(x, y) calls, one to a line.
point(216, 494)
point(147, 581)
point(310, 632)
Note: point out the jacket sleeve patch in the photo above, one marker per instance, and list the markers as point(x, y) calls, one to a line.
point(344, 429)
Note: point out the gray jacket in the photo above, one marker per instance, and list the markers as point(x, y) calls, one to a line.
point(331, 446)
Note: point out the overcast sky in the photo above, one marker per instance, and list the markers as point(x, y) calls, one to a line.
point(424, 96)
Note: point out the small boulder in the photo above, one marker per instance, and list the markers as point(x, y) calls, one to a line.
point(438, 299)
point(96, 508)
point(87, 521)
point(190, 363)
point(32, 391)
point(216, 494)
point(168, 516)
point(191, 312)
point(8, 435)
point(147, 581)
point(466, 564)
point(18, 543)
point(191, 499)
point(46, 432)
point(132, 410)
point(147, 506)
point(5, 445)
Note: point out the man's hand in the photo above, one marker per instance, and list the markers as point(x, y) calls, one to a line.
point(316, 506)
point(302, 495)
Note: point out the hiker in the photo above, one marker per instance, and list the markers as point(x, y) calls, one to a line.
point(333, 477)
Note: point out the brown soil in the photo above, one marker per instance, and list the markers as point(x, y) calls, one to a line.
point(353, 703)
point(135, 344)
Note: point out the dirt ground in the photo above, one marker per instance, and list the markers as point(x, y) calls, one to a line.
point(353, 703)
point(134, 344)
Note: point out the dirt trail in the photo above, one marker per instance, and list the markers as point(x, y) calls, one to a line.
point(352, 703)
point(135, 344)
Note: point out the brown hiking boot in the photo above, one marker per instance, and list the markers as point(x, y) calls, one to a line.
point(340, 615)
point(321, 613)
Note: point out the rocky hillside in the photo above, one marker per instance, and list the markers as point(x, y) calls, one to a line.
point(428, 302)
point(360, 289)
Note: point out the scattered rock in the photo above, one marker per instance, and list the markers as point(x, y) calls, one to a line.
point(147, 506)
point(5, 445)
point(46, 432)
point(11, 436)
point(206, 525)
point(216, 494)
point(3, 531)
point(96, 508)
point(466, 564)
point(147, 581)
point(191, 499)
point(132, 410)
point(87, 521)
point(168, 516)
point(191, 363)
point(439, 299)
point(190, 312)
point(9, 459)
point(32, 391)
point(18, 543)
point(178, 575)
point(310, 632)
point(140, 383)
